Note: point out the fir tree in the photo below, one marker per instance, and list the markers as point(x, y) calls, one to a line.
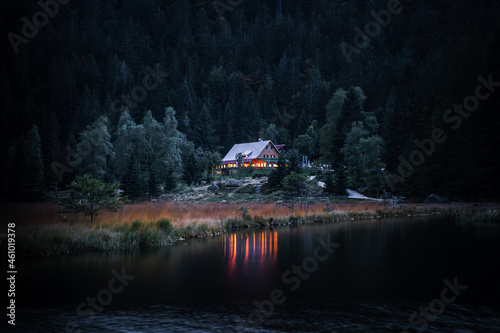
point(340, 180)
point(33, 181)
point(132, 183)
point(89, 196)
point(153, 185)
point(278, 173)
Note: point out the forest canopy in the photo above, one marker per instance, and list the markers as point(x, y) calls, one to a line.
point(151, 93)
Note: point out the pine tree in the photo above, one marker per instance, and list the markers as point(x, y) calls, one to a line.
point(327, 136)
point(176, 144)
point(169, 180)
point(206, 136)
point(340, 180)
point(153, 185)
point(95, 149)
point(132, 183)
point(278, 173)
point(192, 170)
point(294, 161)
point(51, 144)
point(88, 196)
point(329, 184)
point(15, 165)
point(351, 153)
point(33, 180)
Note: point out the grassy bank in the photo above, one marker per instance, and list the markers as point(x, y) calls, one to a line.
point(482, 216)
point(148, 225)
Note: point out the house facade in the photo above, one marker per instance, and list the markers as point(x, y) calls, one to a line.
point(260, 154)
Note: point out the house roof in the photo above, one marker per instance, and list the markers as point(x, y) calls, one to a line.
point(250, 150)
point(279, 146)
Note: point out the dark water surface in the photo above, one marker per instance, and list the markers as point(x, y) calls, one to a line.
point(382, 272)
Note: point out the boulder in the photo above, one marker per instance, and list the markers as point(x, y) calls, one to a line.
point(214, 187)
point(234, 182)
point(433, 198)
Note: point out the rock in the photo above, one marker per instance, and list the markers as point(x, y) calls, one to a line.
point(234, 182)
point(433, 198)
point(257, 190)
point(248, 189)
point(223, 201)
point(214, 187)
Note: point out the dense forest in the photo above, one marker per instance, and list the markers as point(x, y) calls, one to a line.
point(150, 93)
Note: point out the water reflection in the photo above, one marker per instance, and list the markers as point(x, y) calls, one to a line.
point(383, 271)
point(252, 252)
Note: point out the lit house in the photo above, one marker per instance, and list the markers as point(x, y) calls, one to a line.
point(260, 154)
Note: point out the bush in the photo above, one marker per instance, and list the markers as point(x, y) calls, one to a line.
point(164, 225)
point(243, 212)
point(249, 189)
point(135, 225)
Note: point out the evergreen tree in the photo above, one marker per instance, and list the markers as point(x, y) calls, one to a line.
point(278, 173)
point(371, 149)
point(340, 180)
point(169, 180)
point(15, 165)
point(132, 184)
point(294, 185)
point(123, 144)
point(294, 161)
point(304, 144)
point(89, 196)
point(363, 158)
point(206, 136)
point(95, 149)
point(352, 111)
point(192, 170)
point(329, 184)
point(327, 136)
point(352, 155)
point(51, 146)
point(153, 184)
point(176, 144)
point(33, 181)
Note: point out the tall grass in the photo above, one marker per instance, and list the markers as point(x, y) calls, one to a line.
point(143, 225)
point(489, 216)
point(181, 214)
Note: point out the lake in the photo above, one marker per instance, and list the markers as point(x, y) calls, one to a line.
point(430, 274)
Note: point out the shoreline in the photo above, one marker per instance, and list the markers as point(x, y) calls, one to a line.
point(63, 238)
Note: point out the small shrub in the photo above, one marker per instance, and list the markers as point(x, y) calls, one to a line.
point(243, 212)
point(135, 225)
point(246, 189)
point(164, 225)
point(203, 228)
